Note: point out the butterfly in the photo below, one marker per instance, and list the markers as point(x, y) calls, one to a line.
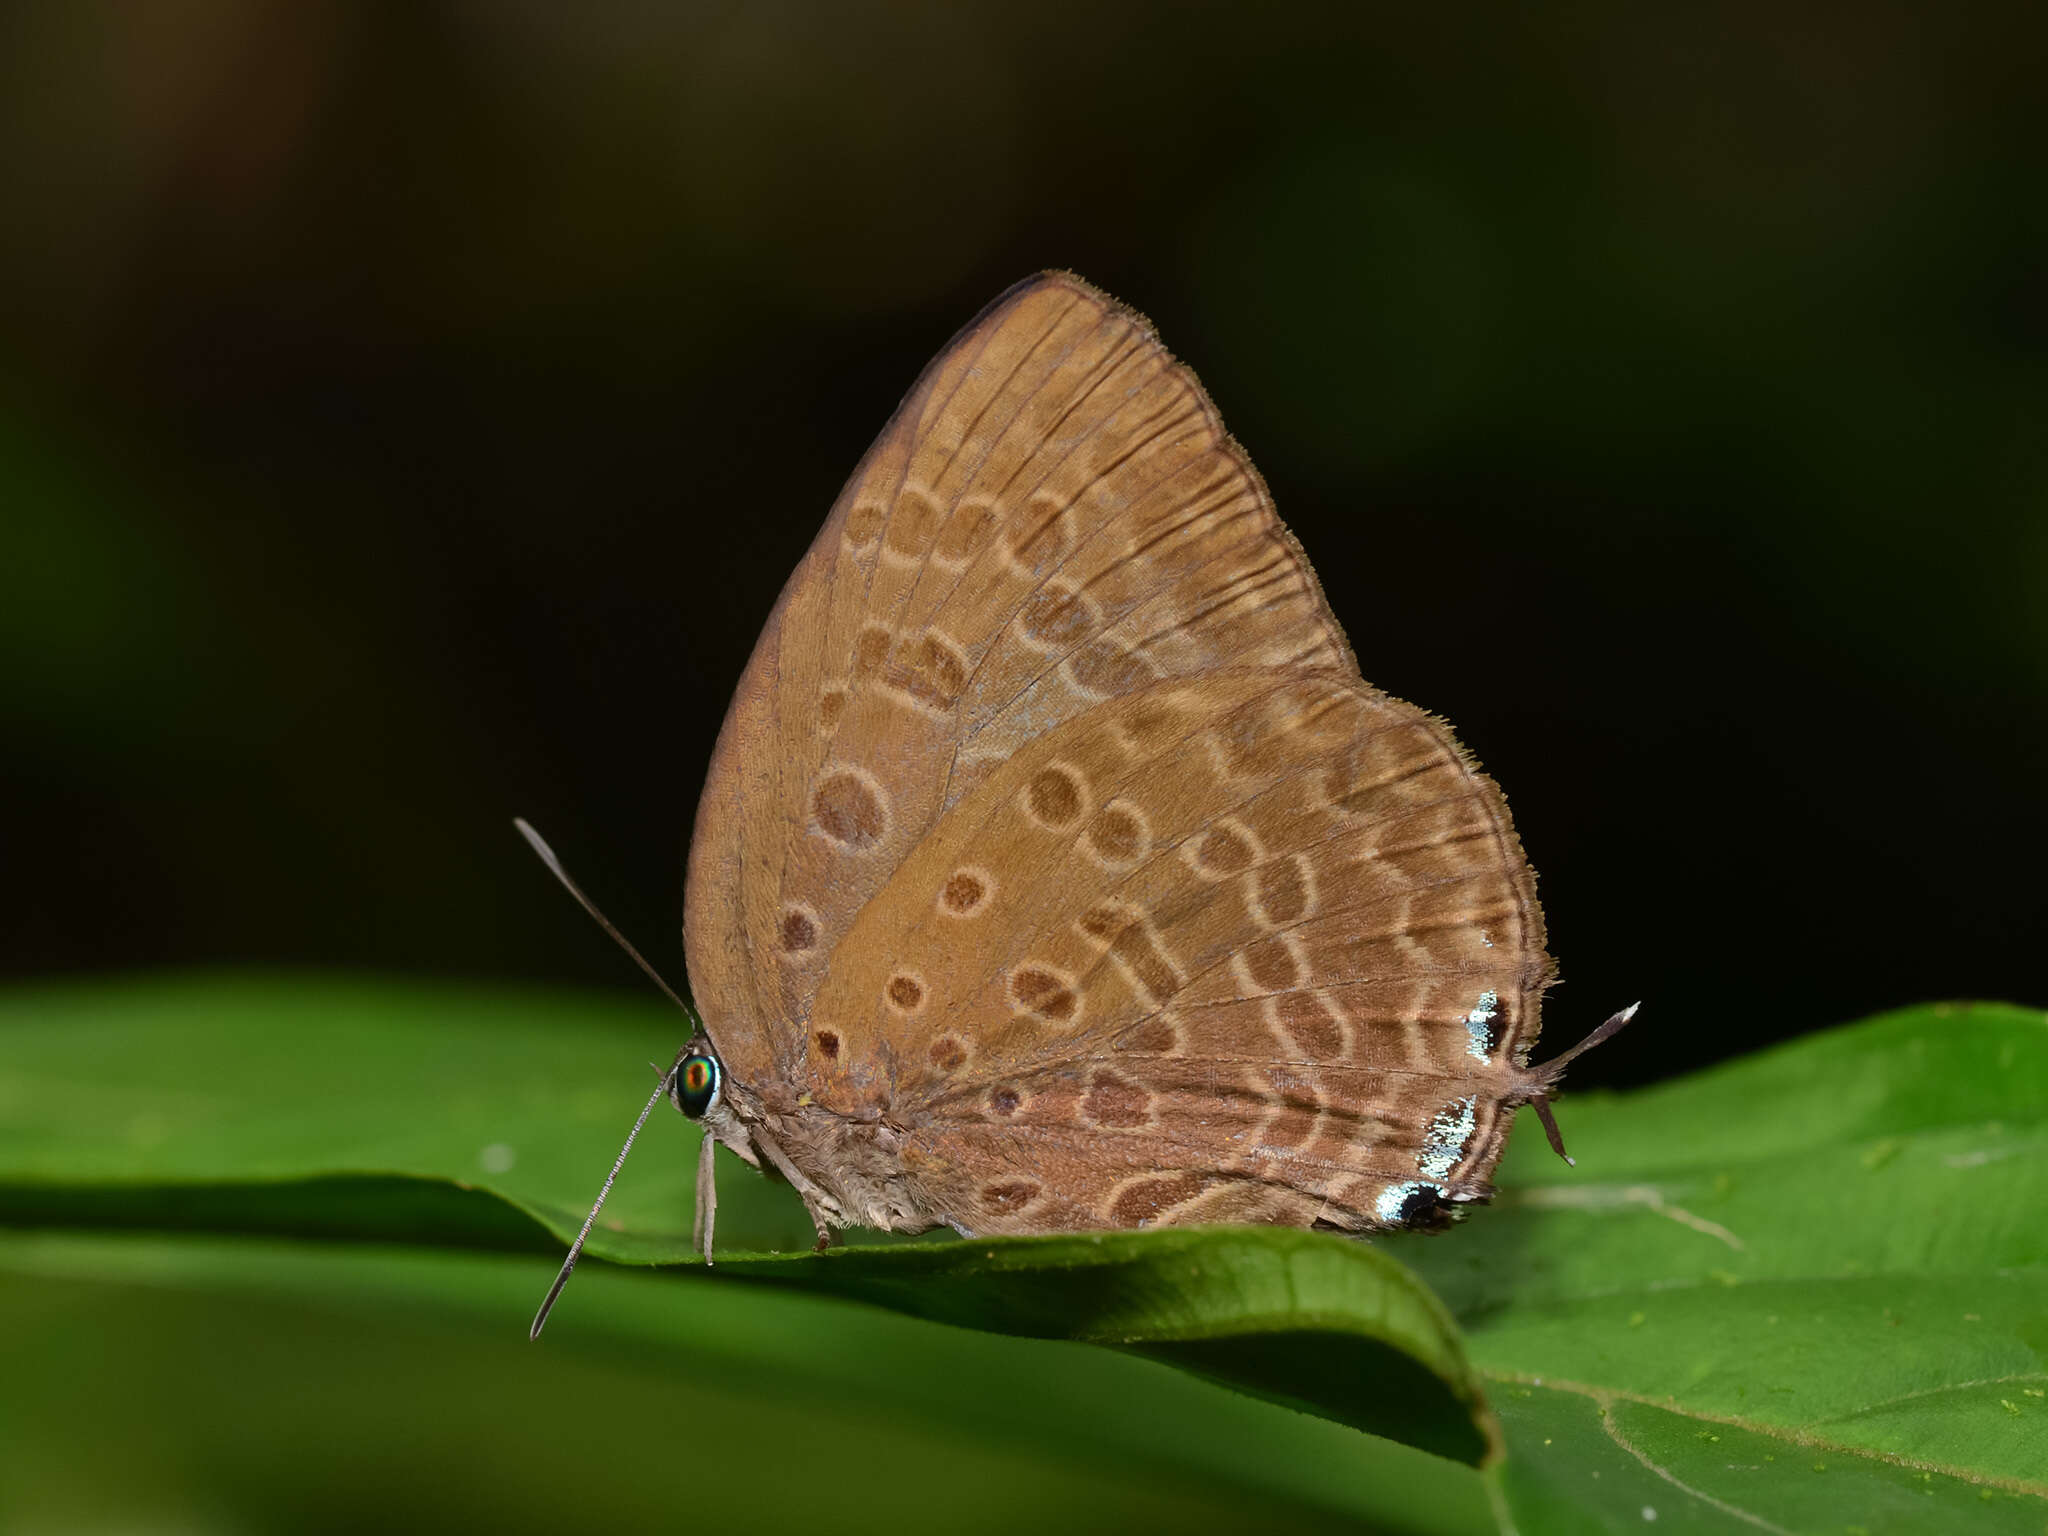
point(1057, 869)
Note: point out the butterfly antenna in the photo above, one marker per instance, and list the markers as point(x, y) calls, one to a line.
point(1546, 1076)
point(547, 856)
point(540, 1318)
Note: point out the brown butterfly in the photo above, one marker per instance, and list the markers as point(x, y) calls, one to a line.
point(1057, 870)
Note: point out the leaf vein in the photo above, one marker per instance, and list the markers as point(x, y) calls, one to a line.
point(1799, 1437)
point(1746, 1516)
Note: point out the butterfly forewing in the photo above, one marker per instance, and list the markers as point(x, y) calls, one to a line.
point(1053, 826)
point(1054, 512)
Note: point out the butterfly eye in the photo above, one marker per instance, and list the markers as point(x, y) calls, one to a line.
point(697, 1086)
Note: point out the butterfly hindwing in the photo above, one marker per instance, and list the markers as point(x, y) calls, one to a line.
point(1271, 928)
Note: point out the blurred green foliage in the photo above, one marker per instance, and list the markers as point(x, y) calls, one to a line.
point(191, 1384)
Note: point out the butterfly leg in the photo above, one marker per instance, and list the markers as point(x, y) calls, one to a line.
point(814, 1198)
point(707, 1197)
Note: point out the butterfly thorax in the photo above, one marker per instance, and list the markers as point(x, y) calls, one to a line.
point(852, 1164)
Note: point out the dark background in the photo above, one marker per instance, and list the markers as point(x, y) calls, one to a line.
point(408, 415)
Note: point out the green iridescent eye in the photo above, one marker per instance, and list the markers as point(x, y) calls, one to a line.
point(697, 1085)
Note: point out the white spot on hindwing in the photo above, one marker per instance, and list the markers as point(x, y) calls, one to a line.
point(1445, 1140)
point(1479, 1026)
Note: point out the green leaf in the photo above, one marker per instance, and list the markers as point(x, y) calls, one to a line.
point(365, 1111)
point(1834, 1253)
point(201, 1382)
point(1804, 1291)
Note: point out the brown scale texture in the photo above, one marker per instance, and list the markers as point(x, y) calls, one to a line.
point(1054, 719)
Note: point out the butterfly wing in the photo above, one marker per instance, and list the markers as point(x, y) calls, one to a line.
point(1054, 518)
point(1251, 945)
